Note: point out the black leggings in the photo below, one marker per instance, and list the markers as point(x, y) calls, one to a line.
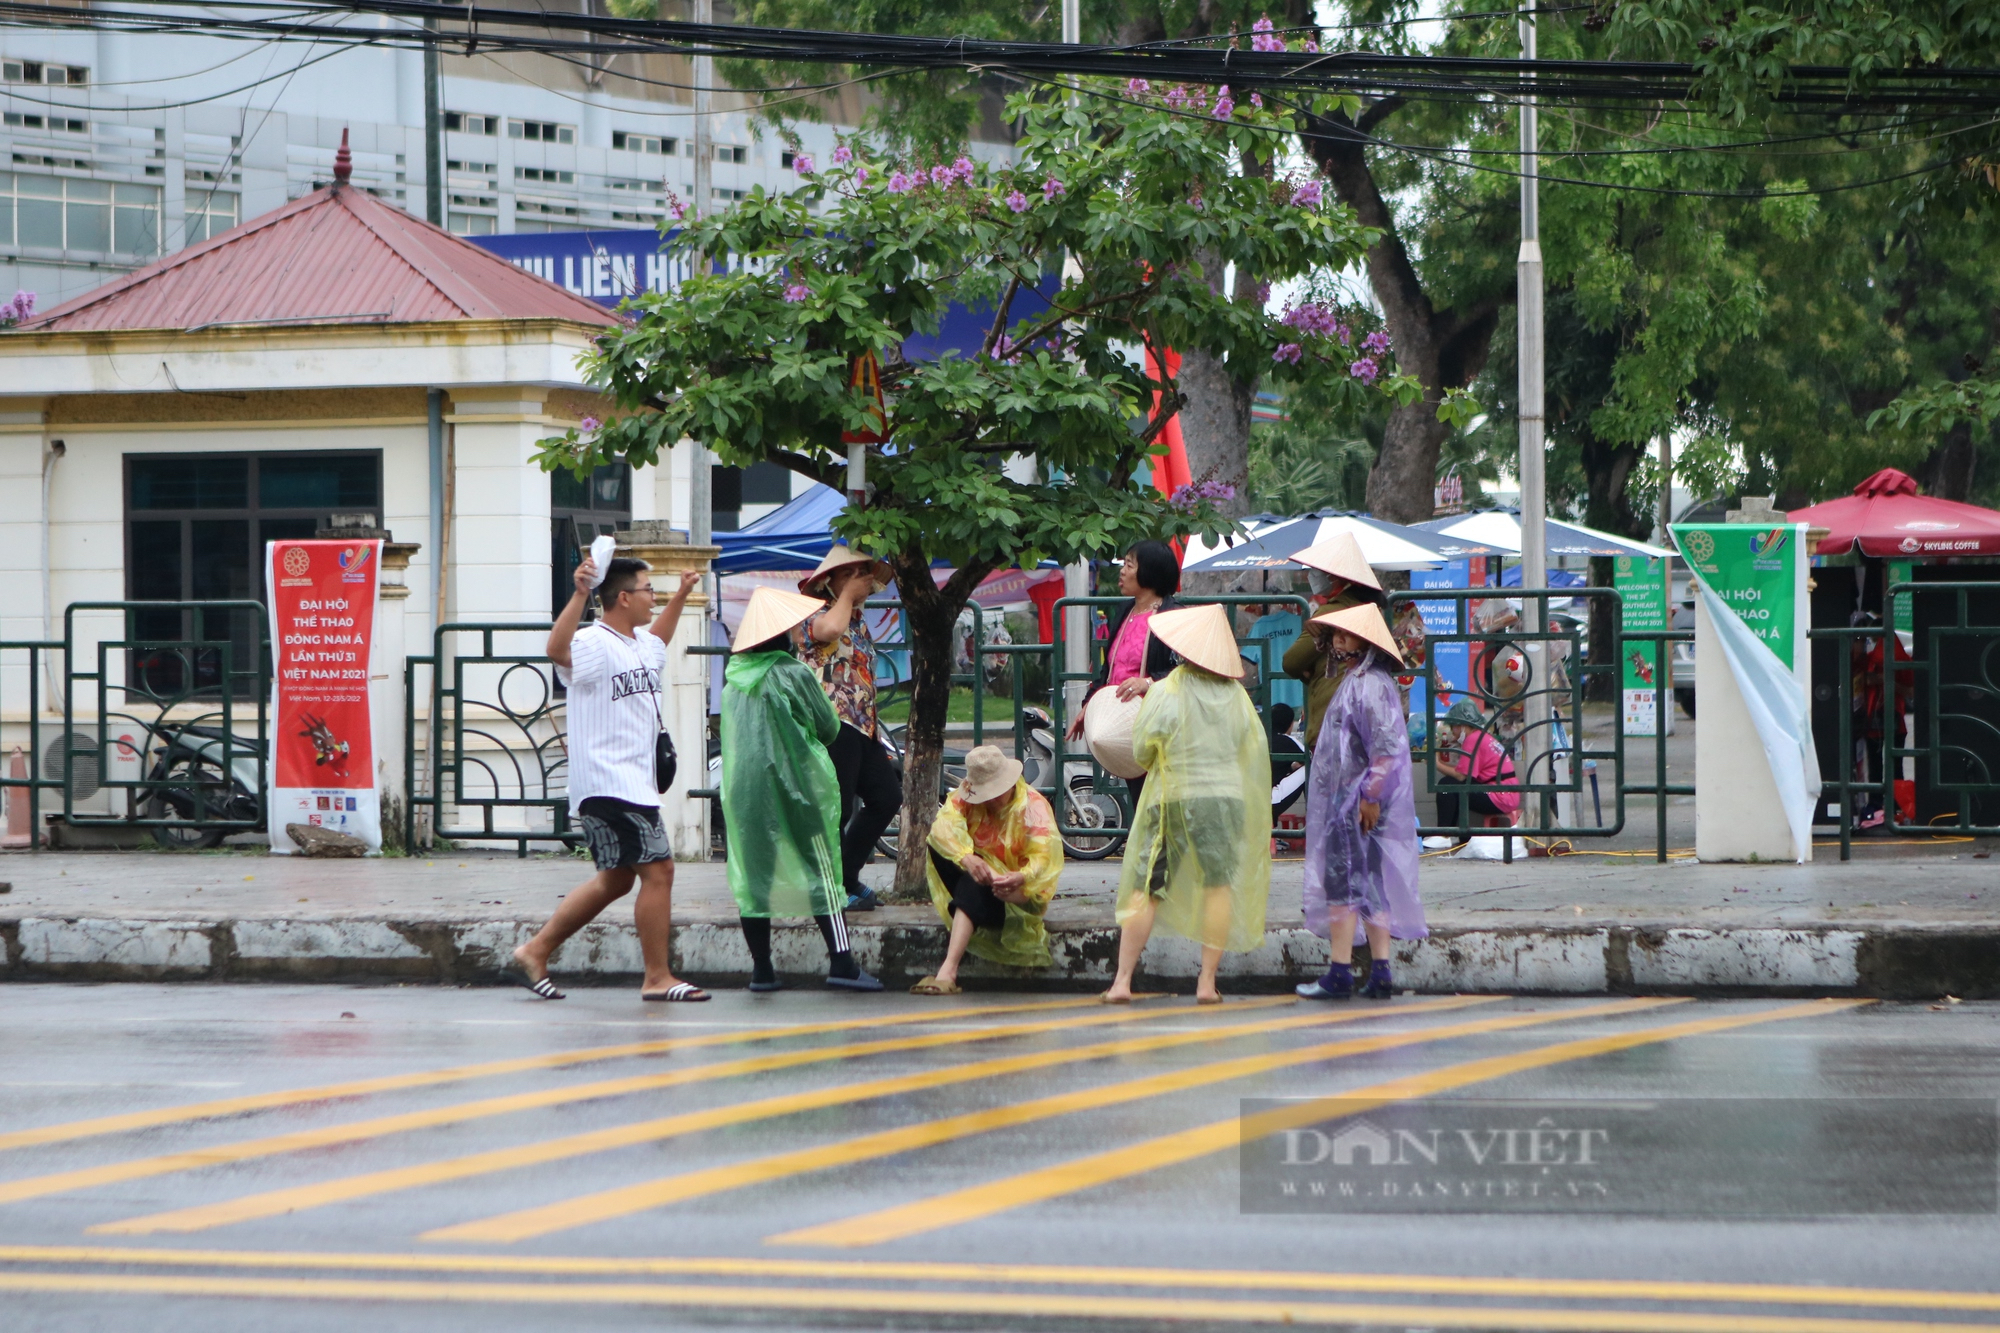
point(969, 897)
point(870, 796)
point(1481, 803)
point(832, 929)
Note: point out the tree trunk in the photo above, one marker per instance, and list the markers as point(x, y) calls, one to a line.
point(1215, 426)
point(1402, 484)
point(1442, 349)
point(1947, 472)
point(930, 614)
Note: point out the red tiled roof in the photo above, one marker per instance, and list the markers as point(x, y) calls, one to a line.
point(336, 256)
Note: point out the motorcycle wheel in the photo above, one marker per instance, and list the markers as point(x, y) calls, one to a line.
point(1089, 809)
point(175, 799)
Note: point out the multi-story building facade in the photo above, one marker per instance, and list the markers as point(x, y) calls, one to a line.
point(118, 148)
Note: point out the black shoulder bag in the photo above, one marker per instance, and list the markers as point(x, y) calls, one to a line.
point(665, 762)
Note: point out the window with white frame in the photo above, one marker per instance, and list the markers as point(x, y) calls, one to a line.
point(36, 71)
point(465, 122)
point(66, 213)
point(211, 212)
point(643, 143)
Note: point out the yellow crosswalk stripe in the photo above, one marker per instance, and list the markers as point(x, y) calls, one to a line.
point(903, 1270)
point(531, 1222)
point(356, 1131)
point(1015, 1305)
point(1083, 1173)
point(428, 1078)
point(274, 1203)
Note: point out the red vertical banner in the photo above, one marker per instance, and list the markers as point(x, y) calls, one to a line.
point(322, 632)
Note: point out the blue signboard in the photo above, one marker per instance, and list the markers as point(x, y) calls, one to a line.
point(609, 266)
point(1453, 659)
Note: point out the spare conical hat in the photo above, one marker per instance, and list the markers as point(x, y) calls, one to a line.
point(836, 558)
point(772, 612)
point(1364, 622)
point(1200, 634)
point(1340, 555)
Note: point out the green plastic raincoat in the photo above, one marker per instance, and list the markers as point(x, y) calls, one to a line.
point(1019, 837)
point(1204, 819)
point(779, 795)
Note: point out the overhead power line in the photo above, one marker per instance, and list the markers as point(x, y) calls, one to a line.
point(469, 28)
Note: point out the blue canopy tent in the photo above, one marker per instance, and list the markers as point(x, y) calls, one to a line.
point(797, 536)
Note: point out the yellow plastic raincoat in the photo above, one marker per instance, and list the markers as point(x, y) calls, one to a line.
point(1020, 836)
point(780, 798)
point(1204, 819)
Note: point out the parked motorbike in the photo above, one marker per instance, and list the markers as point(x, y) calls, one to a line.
point(195, 777)
point(1084, 807)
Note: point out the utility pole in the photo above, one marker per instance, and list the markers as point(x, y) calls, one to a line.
point(433, 131)
point(701, 494)
point(1076, 578)
point(1534, 498)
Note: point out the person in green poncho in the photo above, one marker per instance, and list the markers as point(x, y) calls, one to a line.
point(780, 799)
point(1198, 863)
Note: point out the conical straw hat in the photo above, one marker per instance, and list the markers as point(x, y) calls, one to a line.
point(837, 558)
point(771, 612)
point(1340, 555)
point(1200, 634)
point(1364, 622)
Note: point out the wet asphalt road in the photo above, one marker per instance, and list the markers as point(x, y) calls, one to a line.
point(223, 1158)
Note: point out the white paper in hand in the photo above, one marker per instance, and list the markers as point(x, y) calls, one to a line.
point(601, 550)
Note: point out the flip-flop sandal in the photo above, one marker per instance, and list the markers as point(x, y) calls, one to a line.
point(544, 988)
point(686, 992)
point(1208, 999)
point(932, 986)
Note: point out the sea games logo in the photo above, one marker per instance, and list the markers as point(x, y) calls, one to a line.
point(1767, 549)
point(297, 565)
point(354, 563)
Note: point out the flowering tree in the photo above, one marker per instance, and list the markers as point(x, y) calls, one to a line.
point(756, 362)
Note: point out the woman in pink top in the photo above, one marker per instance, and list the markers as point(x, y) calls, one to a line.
point(1470, 754)
point(1150, 575)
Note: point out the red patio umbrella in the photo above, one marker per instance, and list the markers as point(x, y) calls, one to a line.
point(1887, 517)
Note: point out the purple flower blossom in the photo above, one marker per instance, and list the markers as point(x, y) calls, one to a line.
point(1198, 99)
point(803, 164)
point(1376, 343)
point(1365, 369)
point(1008, 350)
point(1257, 100)
point(842, 155)
point(941, 176)
point(19, 310)
point(1307, 195)
point(797, 292)
point(901, 182)
point(1177, 97)
point(1017, 201)
point(861, 175)
point(1314, 318)
point(676, 209)
point(1188, 497)
point(589, 425)
point(1311, 45)
point(1053, 189)
point(962, 170)
point(1263, 293)
point(1289, 352)
point(1262, 38)
point(1137, 87)
point(1225, 105)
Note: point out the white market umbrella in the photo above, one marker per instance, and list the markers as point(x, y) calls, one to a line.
point(1502, 528)
point(1383, 545)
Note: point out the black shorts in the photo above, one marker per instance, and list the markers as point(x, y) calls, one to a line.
point(969, 897)
point(621, 834)
point(1210, 828)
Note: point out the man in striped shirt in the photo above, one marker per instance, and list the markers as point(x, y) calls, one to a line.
point(612, 668)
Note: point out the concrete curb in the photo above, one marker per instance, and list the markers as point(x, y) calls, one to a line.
point(1887, 961)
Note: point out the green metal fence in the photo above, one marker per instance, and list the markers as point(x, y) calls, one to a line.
point(495, 745)
point(1951, 679)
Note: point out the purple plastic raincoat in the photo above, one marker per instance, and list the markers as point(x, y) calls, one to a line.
point(1363, 753)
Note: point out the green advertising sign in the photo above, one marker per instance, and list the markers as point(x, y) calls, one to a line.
point(1641, 585)
point(1756, 571)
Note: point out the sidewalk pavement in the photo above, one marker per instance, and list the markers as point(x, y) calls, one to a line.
point(1905, 921)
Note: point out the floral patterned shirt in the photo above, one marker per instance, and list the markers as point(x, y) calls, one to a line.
point(846, 670)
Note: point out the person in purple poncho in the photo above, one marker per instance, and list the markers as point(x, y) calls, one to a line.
point(1361, 813)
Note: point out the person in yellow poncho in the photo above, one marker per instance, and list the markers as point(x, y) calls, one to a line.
point(995, 858)
point(1198, 862)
